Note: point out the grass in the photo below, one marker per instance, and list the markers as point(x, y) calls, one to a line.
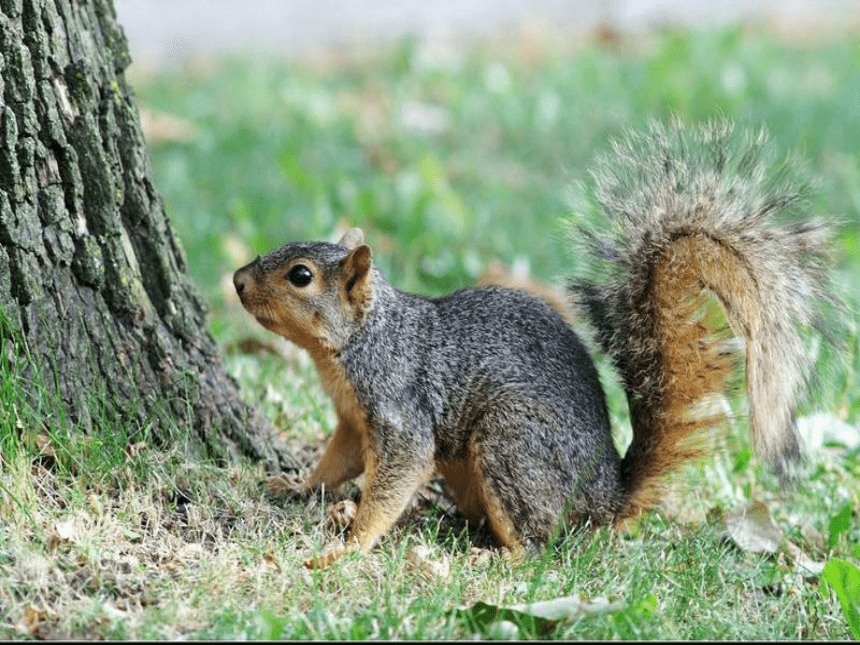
point(448, 162)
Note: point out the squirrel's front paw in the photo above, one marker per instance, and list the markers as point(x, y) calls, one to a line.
point(334, 551)
point(342, 513)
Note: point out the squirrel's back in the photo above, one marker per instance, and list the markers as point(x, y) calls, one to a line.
point(474, 353)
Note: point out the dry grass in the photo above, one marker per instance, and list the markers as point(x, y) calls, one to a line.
point(164, 544)
point(170, 547)
point(85, 561)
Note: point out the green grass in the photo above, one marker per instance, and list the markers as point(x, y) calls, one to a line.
point(447, 165)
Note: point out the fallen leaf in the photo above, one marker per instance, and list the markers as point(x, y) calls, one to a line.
point(752, 529)
point(539, 617)
point(65, 529)
point(568, 607)
point(30, 621)
point(479, 557)
point(270, 558)
point(134, 449)
point(803, 561)
point(422, 560)
point(43, 443)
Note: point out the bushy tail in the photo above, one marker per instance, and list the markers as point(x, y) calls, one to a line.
point(691, 212)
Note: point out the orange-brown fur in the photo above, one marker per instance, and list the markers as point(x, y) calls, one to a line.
point(692, 366)
point(496, 274)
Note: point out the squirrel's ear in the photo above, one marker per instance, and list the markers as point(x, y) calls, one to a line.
point(352, 238)
point(356, 269)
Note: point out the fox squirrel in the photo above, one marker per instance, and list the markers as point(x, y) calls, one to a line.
point(492, 389)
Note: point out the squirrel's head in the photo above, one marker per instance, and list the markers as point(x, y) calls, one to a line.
point(315, 294)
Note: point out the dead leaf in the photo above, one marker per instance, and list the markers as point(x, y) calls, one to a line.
point(134, 449)
point(538, 616)
point(270, 558)
point(568, 607)
point(43, 443)
point(752, 529)
point(803, 561)
point(479, 557)
point(422, 560)
point(30, 621)
point(65, 530)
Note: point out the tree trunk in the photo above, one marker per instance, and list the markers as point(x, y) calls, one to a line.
point(92, 276)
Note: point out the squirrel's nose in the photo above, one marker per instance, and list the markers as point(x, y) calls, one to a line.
point(239, 280)
point(243, 276)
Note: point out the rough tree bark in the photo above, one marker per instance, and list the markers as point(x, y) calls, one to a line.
point(92, 275)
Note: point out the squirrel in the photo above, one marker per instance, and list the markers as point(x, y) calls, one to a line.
point(492, 389)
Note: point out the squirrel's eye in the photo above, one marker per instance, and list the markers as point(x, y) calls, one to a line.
point(300, 275)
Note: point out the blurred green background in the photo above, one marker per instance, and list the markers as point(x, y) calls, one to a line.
point(449, 162)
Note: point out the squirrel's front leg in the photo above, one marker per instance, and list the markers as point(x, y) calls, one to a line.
point(390, 480)
point(343, 458)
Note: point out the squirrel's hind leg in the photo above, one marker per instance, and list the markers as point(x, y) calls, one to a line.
point(477, 501)
point(528, 474)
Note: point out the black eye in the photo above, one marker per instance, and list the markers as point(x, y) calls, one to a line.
point(300, 275)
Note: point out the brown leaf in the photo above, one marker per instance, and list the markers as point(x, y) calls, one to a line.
point(134, 449)
point(30, 621)
point(43, 443)
point(422, 560)
point(479, 557)
point(752, 529)
point(270, 558)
